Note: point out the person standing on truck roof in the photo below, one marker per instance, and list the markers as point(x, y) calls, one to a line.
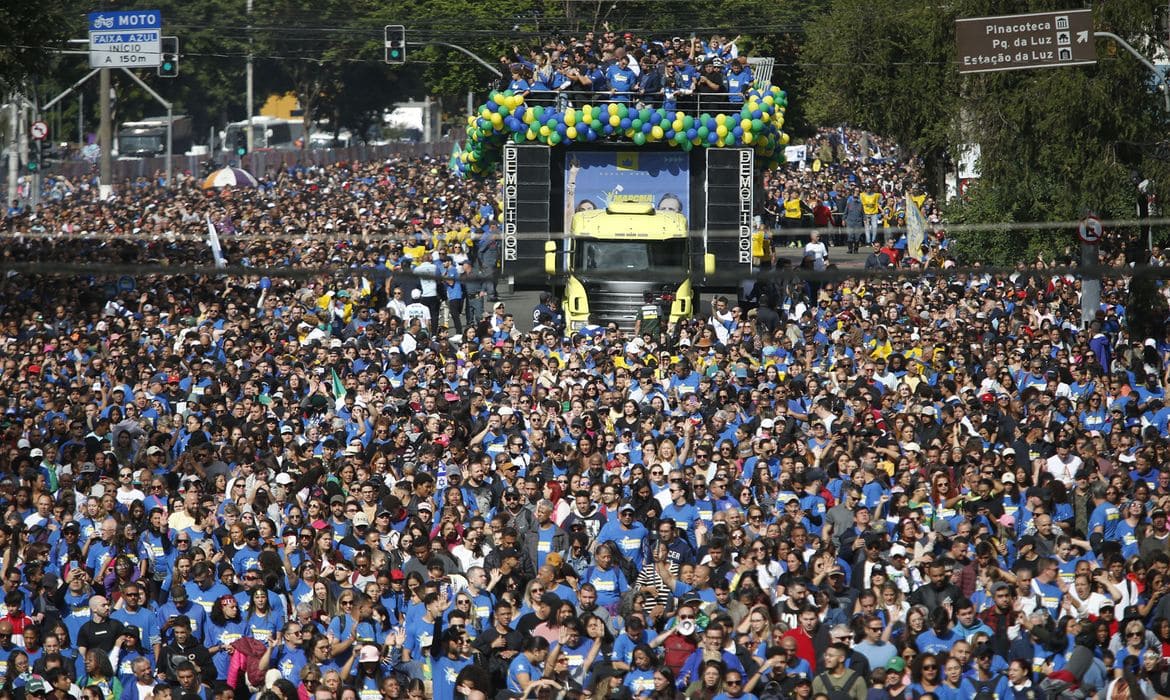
point(621, 79)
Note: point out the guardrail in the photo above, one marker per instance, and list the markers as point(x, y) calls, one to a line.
point(695, 103)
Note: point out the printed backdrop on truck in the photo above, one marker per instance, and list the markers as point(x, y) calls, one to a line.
point(594, 179)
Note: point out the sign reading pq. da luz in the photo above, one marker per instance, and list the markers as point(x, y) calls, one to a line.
point(125, 39)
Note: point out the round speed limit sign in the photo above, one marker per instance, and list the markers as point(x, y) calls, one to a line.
point(1090, 230)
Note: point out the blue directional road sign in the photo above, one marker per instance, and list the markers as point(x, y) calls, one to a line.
point(125, 39)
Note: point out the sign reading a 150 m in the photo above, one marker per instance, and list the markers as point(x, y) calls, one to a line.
point(125, 39)
point(1036, 40)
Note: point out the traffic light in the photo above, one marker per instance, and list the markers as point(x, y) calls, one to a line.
point(395, 44)
point(168, 64)
point(34, 156)
point(241, 143)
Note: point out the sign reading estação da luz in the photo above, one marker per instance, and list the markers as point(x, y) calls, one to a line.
point(1035, 40)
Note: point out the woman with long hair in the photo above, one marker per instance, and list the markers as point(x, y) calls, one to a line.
point(925, 675)
point(99, 674)
point(709, 684)
point(262, 621)
point(225, 625)
point(755, 632)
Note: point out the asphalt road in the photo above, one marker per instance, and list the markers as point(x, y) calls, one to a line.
point(521, 302)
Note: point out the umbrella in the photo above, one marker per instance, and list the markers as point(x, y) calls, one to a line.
point(229, 177)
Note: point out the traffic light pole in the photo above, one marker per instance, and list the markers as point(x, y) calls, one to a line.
point(170, 117)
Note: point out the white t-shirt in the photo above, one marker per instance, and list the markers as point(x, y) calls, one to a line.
point(818, 252)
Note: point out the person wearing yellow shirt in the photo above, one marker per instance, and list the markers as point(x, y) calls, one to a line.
point(871, 208)
point(792, 209)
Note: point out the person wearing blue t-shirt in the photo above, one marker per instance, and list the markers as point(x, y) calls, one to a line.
point(621, 80)
point(527, 667)
point(607, 579)
point(625, 532)
point(445, 668)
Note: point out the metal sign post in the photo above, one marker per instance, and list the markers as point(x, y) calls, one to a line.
point(170, 117)
point(1089, 232)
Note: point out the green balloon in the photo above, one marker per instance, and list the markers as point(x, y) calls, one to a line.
point(623, 111)
point(757, 125)
point(554, 138)
point(688, 122)
point(636, 124)
point(640, 138)
point(703, 131)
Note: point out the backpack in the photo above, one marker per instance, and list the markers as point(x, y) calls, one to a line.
point(985, 690)
point(841, 693)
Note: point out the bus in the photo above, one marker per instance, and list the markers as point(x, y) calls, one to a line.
point(268, 133)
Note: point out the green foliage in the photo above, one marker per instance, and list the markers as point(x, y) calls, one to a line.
point(1055, 142)
point(29, 31)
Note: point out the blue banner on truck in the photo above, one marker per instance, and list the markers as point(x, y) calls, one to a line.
point(593, 179)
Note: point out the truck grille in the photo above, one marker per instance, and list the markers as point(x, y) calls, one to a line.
point(618, 302)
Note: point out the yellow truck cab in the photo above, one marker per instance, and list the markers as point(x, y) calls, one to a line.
point(616, 260)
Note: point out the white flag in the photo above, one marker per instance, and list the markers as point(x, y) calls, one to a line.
point(213, 243)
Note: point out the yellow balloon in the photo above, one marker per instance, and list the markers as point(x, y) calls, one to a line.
point(765, 117)
point(497, 120)
point(747, 137)
point(613, 108)
point(768, 100)
point(656, 131)
point(614, 120)
point(721, 130)
point(571, 132)
point(677, 125)
point(720, 143)
point(471, 120)
point(529, 117)
point(545, 131)
point(570, 117)
point(499, 98)
point(745, 124)
point(720, 118)
point(586, 116)
point(783, 139)
point(530, 135)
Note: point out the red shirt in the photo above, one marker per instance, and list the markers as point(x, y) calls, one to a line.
point(804, 646)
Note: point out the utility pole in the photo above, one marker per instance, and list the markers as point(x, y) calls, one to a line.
point(105, 135)
point(13, 154)
point(250, 97)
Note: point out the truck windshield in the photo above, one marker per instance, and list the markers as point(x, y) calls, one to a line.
point(134, 143)
point(594, 254)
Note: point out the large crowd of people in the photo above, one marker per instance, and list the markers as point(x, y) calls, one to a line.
point(343, 469)
point(622, 67)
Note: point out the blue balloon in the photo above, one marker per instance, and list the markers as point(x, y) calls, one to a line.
point(625, 123)
point(646, 128)
point(756, 114)
point(608, 129)
point(655, 117)
point(668, 134)
point(561, 128)
point(712, 137)
point(738, 131)
point(691, 134)
point(591, 135)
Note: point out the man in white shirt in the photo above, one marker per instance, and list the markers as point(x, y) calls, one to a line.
point(816, 250)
